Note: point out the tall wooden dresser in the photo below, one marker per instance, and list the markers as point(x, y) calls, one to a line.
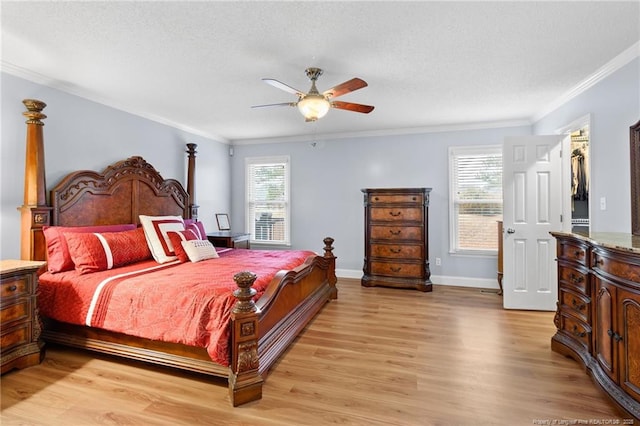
point(396, 238)
point(20, 334)
point(598, 315)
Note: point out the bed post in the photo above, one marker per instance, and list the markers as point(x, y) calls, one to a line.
point(245, 382)
point(34, 213)
point(191, 187)
point(331, 272)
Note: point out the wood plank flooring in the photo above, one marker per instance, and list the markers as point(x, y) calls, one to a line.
point(375, 356)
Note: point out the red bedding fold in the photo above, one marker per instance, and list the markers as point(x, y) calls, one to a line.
point(188, 303)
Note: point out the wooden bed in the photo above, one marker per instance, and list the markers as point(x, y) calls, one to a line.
point(260, 331)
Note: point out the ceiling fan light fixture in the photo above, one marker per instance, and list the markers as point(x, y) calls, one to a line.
point(313, 107)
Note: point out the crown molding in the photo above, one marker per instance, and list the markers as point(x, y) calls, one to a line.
point(605, 71)
point(62, 86)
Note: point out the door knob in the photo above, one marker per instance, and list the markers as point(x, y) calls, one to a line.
point(510, 230)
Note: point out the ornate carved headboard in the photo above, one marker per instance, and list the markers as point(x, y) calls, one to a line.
point(118, 194)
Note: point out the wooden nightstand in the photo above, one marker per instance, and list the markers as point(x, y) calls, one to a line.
point(230, 239)
point(20, 335)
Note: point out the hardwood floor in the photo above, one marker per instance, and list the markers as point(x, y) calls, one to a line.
point(382, 357)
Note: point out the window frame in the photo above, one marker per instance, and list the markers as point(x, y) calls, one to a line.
point(248, 206)
point(455, 152)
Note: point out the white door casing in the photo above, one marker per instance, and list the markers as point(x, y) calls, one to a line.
point(532, 190)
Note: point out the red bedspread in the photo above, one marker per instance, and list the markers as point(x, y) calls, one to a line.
point(187, 303)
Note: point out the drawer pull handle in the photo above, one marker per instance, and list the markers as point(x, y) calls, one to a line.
point(577, 306)
point(395, 214)
point(13, 288)
point(597, 262)
point(614, 335)
point(576, 279)
point(395, 232)
point(578, 333)
point(395, 250)
point(578, 253)
point(395, 269)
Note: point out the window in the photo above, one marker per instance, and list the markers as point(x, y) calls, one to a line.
point(267, 199)
point(475, 197)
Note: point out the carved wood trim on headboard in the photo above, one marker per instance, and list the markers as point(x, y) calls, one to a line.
point(119, 194)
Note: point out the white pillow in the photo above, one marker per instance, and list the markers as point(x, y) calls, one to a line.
point(155, 231)
point(198, 250)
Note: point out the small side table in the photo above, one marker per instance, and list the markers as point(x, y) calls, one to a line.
point(239, 240)
point(19, 320)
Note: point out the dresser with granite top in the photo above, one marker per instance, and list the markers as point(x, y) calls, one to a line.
point(598, 311)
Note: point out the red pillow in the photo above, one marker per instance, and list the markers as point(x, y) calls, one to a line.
point(177, 237)
point(58, 257)
point(92, 252)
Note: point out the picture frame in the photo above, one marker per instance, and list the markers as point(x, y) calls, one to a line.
point(223, 221)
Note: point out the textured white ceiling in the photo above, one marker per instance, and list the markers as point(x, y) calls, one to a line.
point(198, 65)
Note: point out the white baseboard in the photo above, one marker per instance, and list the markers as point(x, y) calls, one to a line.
point(491, 283)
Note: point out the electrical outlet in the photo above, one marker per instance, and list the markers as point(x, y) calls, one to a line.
point(438, 261)
point(603, 203)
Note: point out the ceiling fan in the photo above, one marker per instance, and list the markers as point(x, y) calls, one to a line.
point(314, 105)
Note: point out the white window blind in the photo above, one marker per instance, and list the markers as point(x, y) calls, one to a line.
point(267, 199)
point(475, 198)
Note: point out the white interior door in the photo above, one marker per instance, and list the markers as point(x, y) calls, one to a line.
point(532, 207)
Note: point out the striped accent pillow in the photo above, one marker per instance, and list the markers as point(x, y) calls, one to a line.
point(155, 230)
point(93, 252)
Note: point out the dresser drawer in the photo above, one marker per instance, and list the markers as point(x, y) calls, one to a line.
point(15, 286)
point(396, 198)
point(575, 304)
point(15, 336)
point(397, 251)
point(575, 278)
point(574, 252)
point(397, 233)
point(616, 265)
point(395, 269)
point(396, 214)
point(578, 330)
point(20, 310)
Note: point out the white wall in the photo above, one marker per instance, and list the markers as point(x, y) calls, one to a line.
point(80, 134)
point(614, 105)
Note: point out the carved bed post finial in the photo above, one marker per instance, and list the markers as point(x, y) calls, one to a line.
point(245, 381)
point(191, 186)
point(35, 213)
point(331, 273)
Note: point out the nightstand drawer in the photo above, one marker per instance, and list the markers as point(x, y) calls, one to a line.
point(396, 214)
point(396, 198)
point(15, 336)
point(397, 251)
point(396, 269)
point(15, 312)
point(397, 233)
point(15, 286)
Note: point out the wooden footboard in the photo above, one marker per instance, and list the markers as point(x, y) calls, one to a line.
point(263, 330)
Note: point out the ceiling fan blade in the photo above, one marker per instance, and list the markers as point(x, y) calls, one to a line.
point(275, 105)
point(365, 109)
point(344, 88)
point(280, 85)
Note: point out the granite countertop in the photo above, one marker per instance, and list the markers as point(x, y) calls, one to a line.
point(615, 240)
